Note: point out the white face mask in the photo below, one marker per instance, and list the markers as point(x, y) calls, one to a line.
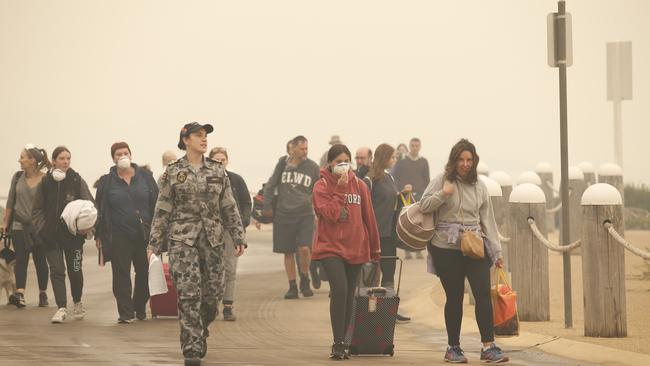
point(58, 175)
point(341, 168)
point(124, 162)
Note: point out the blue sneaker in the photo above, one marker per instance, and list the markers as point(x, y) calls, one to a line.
point(455, 355)
point(494, 354)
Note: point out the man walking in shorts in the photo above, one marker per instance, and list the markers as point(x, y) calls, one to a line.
point(293, 214)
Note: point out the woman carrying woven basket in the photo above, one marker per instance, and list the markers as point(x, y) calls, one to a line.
point(465, 244)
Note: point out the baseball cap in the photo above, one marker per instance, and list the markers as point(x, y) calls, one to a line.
point(189, 128)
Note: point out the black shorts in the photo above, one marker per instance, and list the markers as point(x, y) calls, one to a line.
point(291, 234)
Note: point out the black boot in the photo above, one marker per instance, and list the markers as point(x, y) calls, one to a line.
point(192, 361)
point(305, 288)
point(293, 291)
point(42, 300)
point(228, 315)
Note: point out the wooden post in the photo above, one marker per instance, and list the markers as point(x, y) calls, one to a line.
point(532, 178)
point(589, 172)
point(612, 174)
point(505, 181)
point(529, 257)
point(603, 263)
point(545, 173)
point(577, 187)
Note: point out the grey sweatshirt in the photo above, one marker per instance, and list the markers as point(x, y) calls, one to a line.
point(477, 209)
point(295, 186)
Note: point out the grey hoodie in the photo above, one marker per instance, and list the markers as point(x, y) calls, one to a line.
point(294, 186)
point(477, 209)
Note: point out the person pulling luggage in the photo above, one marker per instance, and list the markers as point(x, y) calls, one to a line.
point(347, 237)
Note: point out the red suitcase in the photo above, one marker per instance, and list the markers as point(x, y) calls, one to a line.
point(165, 304)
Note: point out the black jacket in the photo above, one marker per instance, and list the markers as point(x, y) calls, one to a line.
point(51, 198)
point(242, 197)
point(103, 229)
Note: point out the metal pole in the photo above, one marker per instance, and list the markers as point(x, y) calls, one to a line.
point(618, 134)
point(564, 158)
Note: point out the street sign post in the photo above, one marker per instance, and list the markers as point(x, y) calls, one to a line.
point(619, 88)
point(560, 55)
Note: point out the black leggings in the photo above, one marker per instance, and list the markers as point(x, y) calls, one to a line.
point(22, 260)
point(343, 279)
point(452, 268)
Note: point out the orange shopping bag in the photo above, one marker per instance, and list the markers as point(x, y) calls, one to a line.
point(504, 307)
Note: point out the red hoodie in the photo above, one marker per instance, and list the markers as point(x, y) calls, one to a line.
point(355, 238)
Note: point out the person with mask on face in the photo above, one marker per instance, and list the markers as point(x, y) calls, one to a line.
point(59, 187)
point(195, 208)
point(244, 204)
point(347, 237)
point(18, 223)
point(126, 198)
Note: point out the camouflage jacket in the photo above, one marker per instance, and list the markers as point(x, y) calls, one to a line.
point(192, 199)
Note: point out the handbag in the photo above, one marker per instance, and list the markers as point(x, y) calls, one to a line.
point(6, 252)
point(404, 200)
point(504, 307)
point(471, 243)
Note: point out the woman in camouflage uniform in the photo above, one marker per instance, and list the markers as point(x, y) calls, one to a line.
point(194, 206)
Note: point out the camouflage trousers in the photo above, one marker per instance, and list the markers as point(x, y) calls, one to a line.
point(198, 274)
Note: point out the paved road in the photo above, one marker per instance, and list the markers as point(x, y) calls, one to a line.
point(269, 330)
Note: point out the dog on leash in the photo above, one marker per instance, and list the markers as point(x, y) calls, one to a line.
point(7, 279)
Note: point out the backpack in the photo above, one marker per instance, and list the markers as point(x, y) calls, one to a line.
point(258, 199)
point(258, 205)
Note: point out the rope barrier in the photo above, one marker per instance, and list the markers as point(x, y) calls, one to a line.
point(503, 239)
point(550, 185)
point(554, 209)
point(547, 243)
point(640, 252)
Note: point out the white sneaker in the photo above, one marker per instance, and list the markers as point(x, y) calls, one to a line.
point(60, 315)
point(79, 312)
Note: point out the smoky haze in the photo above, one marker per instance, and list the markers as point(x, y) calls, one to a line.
point(86, 74)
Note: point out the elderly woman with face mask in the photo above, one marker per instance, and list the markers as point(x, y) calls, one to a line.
point(64, 250)
point(126, 198)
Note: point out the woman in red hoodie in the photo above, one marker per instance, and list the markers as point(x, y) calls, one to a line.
point(347, 236)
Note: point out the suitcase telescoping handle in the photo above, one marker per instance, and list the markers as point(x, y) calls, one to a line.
point(399, 276)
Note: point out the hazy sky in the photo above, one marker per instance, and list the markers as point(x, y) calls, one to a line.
point(88, 73)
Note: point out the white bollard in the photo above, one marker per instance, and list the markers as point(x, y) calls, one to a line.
point(529, 257)
point(603, 263)
point(589, 172)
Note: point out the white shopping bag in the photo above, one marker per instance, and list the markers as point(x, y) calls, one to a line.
point(157, 282)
